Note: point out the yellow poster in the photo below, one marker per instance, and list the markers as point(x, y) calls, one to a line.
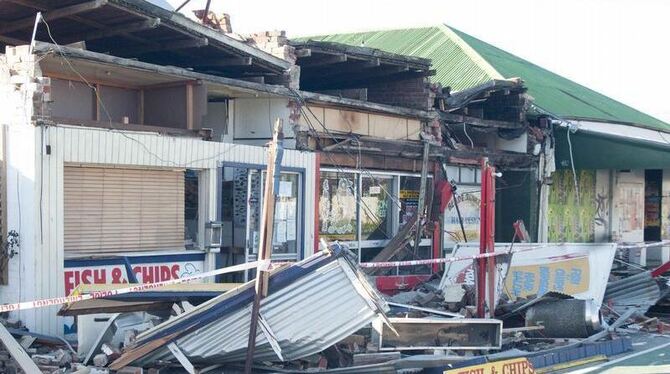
point(570, 276)
point(513, 366)
point(409, 194)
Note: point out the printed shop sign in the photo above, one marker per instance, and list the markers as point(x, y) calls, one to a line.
point(147, 269)
point(577, 269)
point(513, 366)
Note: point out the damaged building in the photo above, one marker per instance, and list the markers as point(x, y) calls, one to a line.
point(137, 147)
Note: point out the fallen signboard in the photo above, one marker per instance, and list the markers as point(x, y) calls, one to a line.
point(145, 269)
point(577, 269)
point(515, 365)
point(441, 333)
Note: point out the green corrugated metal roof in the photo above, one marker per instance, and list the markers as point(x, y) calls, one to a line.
point(462, 61)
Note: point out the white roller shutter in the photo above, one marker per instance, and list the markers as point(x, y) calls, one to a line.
point(111, 210)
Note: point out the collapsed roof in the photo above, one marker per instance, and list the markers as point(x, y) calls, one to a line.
point(138, 29)
point(462, 61)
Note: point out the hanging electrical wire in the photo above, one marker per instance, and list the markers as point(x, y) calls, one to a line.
point(109, 117)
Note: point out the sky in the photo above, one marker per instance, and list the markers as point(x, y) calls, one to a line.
point(617, 47)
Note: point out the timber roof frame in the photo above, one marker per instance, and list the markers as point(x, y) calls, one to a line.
point(463, 61)
point(328, 65)
point(138, 29)
point(250, 88)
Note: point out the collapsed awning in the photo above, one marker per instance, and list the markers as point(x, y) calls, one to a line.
point(311, 305)
point(597, 145)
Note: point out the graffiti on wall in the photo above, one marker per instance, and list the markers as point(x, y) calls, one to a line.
point(573, 219)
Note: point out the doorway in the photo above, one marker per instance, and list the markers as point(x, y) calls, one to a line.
point(653, 180)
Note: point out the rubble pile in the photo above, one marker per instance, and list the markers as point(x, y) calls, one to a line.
point(352, 328)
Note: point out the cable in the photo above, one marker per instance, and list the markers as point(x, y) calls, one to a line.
point(465, 130)
point(109, 117)
point(359, 202)
point(570, 126)
point(572, 164)
point(332, 137)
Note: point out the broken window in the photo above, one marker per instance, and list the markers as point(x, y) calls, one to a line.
point(377, 203)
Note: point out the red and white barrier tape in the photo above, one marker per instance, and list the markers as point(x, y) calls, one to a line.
point(392, 264)
point(644, 245)
point(431, 261)
point(135, 288)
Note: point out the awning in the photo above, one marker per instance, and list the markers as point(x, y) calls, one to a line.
point(598, 145)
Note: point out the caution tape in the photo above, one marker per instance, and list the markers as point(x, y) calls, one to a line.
point(391, 264)
point(643, 245)
point(12, 307)
point(431, 261)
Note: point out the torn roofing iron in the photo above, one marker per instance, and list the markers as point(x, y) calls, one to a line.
point(639, 291)
point(311, 305)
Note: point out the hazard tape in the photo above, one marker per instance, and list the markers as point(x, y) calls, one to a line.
point(12, 307)
point(392, 264)
point(645, 245)
point(136, 288)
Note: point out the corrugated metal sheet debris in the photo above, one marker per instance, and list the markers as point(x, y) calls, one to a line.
point(311, 305)
point(639, 291)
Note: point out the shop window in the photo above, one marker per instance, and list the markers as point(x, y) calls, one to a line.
point(337, 206)
point(376, 207)
point(409, 198)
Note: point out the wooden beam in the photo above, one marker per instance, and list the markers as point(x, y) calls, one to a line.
point(12, 41)
point(172, 84)
point(275, 153)
point(190, 116)
point(17, 352)
point(343, 79)
point(140, 107)
point(171, 46)
point(41, 6)
point(150, 23)
point(480, 122)
point(259, 79)
point(328, 60)
point(52, 15)
point(303, 52)
point(222, 62)
point(181, 357)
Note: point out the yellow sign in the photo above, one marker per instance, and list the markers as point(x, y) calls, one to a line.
point(513, 366)
point(409, 194)
point(569, 276)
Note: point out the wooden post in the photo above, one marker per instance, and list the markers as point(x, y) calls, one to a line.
point(275, 153)
point(190, 116)
point(422, 195)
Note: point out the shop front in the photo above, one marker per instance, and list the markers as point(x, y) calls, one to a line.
point(240, 210)
point(366, 209)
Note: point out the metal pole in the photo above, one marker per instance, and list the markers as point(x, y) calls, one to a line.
point(481, 263)
point(486, 243)
point(490, 239)
point(275, 154)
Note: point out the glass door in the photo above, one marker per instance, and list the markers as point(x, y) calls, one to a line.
point(286, 240)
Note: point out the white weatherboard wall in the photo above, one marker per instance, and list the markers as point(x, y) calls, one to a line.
point(43, 276)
